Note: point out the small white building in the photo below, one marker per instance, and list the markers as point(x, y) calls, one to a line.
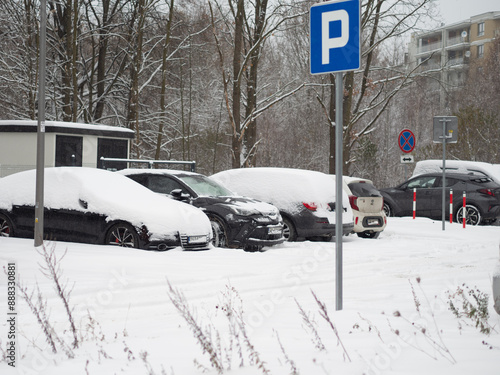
point(66, 144)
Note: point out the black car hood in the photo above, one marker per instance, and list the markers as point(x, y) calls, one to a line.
point(243, 202)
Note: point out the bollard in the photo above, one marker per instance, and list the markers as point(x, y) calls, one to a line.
point(464, 216)
point(414, 202)
point(451, 206)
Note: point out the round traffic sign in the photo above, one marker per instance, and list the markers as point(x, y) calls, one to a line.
point(406, 140)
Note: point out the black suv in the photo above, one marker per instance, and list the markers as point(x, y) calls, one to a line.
point(238, 222)
point(482, 197)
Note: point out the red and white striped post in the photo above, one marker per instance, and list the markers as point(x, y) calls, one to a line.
point(414, 202)
point(451, 206)
point(464, 216)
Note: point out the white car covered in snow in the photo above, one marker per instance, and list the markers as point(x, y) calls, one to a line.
point(305, 199)
point(101, 207)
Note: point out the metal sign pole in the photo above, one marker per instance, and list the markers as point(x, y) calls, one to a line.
point(444, 125)
point(336, 50)
point(339, 96)
point(443, 203)
point(40, 146)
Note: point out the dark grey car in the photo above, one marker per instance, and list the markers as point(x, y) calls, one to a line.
point(482, 198)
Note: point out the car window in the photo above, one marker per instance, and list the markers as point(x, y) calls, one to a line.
point(449, 182)
point(163, 184)
point(140, 178)
point(422, 182)
point(360, 189)
point(204, 186)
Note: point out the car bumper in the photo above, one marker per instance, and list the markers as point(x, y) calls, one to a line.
point(322, 229)
point(374, 223)
point(493, 213)
point(261, 235)
point(186, 242)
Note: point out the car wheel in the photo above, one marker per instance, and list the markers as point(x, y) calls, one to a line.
point(219, 233)
point(289, 231)
point(123, 235)
point(252, 248)
point(387, 210)
point(6, 227)
point(473, 215)
point(368, 234)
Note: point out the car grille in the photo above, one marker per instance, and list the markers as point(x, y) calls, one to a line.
point(192, 242)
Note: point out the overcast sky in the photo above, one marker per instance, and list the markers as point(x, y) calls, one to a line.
point(459, 10)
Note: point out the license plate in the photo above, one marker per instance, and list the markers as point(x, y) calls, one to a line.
point(372, 222)
point(274, 230)
point(197, 239)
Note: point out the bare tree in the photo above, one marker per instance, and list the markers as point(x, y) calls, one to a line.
point(18, 58)
point(248, 37)
point(368, 93)
point(63, 36)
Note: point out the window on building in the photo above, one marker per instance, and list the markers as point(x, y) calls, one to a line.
point(480, 51)
point(480, 29)
point(69, 151)
point(112, 148)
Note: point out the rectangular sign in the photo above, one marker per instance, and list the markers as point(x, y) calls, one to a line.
point(335, 36)
point(407, 159)
point(450, 132)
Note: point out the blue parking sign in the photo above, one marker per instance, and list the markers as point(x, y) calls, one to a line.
point(335, 36)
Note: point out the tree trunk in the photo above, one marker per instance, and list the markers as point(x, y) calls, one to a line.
point(250, 133)
point(238, 48)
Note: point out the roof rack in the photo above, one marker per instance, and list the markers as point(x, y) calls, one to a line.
point(150, 163)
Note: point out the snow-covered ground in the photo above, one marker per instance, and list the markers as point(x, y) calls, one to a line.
point(395, 317)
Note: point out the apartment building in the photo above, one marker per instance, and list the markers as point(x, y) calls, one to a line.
point(447, 52)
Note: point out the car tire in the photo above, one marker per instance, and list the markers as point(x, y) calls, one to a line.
point(368, 234)
point(252, 248)
point(219, 232)
point(473, 215)
point(123, 235)
point(6, 226)
point(289, 231)
point(388, 210)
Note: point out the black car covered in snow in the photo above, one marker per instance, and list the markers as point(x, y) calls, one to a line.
point(238, 222)
point(95, 206)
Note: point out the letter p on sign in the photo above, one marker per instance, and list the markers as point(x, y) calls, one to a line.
point(335, 36)
point(327, 42)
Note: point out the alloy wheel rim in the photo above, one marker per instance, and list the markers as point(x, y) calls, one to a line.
point(122, 237)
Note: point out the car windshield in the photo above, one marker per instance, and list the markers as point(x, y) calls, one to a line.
point(204, 186)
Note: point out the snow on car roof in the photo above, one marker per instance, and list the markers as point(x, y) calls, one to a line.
point(281, 186)
point(352, 180)
point(131, 171)
point(107, 193)
point(459, 166)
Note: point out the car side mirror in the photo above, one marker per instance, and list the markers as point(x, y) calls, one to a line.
point(179, 196)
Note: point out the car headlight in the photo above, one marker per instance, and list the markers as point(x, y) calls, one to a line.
point(243, 211)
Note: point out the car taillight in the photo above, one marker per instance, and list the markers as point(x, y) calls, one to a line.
point(487, 192)
point(310, 206)
point(353, 200)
